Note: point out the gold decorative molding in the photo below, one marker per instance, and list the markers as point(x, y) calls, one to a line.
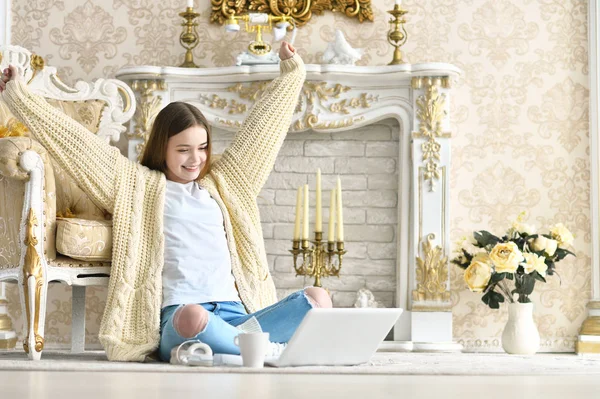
point(422, 209)
point(594, 305)
point(126, 97)
point(318, 92)
point(229, 122)
point(250, 92)
point(312, 94)
point(233, 107)
point(591, 326)
point(431, 111)
point(8, 343)
point(5, 323)
point(301, 11)
point(311, 121)
point(32, 267)
point(363, 101)
point(432, 292)
point(148, 107)
point(587, 347)
point(37, 64)
point(447, 82)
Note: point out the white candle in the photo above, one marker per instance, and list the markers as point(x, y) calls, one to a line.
point(319, 219)
point(298, 210)
point(330, 236)
point(398, 2)
point(305, 219)
point(190, 3)
point(338, 211)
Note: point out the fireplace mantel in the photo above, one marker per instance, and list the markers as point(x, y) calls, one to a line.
point(342, 98)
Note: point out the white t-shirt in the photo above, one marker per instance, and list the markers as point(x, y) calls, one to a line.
point(197, 265)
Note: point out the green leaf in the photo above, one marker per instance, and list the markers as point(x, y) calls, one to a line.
point(485, 238)
point(467, 255)
point(492, 299)
point(551, 267)
point(569, 252)
point(468, 259)
point(562, 253)
point(528, 285)
point(538, 276)
point(496, 277)
point(520, 242)
point(457, 263)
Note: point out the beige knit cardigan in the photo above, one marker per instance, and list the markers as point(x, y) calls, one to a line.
point(135, 195)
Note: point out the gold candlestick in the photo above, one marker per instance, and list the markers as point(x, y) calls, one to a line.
point(397, 35)
point(189, 37)
point(318, 261)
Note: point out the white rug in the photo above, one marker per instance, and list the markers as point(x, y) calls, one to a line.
point(467, 364)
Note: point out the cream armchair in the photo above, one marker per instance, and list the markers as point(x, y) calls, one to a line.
point(50, 231)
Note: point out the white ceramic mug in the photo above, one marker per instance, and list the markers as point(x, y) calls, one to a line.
point(253, 347)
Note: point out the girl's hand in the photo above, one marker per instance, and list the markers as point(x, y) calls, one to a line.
point(286, 51)
point(8, 74)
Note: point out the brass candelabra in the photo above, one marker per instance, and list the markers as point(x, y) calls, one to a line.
point(318, 261)
point(189, 37)
point(397, 35)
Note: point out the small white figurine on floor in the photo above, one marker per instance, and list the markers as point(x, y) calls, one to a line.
point(365, 299)
point(340, 52)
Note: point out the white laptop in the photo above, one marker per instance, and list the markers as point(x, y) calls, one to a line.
point(337, 337)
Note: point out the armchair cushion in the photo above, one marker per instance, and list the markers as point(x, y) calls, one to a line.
point(65, 197)
point(81, 239)
point(88, 112)
point(71, 201)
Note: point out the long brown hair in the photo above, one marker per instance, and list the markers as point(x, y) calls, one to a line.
point(172, 120)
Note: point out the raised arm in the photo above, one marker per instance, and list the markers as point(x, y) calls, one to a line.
point(255, 147)
point(90, 161)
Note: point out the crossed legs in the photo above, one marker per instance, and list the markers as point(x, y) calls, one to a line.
point(190, 320)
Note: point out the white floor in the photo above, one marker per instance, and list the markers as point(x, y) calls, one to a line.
point(74, 385)
point(388, 375)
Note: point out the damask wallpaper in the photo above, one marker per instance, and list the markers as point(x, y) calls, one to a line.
point(520, 118)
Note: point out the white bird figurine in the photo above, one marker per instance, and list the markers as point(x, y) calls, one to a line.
point(340, 52)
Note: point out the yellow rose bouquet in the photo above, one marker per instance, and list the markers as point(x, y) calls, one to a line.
point(521, 256)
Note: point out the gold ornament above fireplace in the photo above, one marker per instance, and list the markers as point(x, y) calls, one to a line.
point(300, 10)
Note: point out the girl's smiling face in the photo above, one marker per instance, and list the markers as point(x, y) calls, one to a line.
point(186, 154)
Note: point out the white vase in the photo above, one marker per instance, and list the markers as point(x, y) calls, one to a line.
point(520, 335)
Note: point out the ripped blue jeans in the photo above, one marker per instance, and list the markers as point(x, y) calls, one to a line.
point(280, 320)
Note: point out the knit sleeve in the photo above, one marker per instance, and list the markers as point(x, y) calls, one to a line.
point(252, 154)
point(89, 160)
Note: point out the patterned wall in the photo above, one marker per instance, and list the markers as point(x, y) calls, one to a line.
point(520, 117)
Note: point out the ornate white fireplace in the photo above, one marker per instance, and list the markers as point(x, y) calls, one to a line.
point(348, 98)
